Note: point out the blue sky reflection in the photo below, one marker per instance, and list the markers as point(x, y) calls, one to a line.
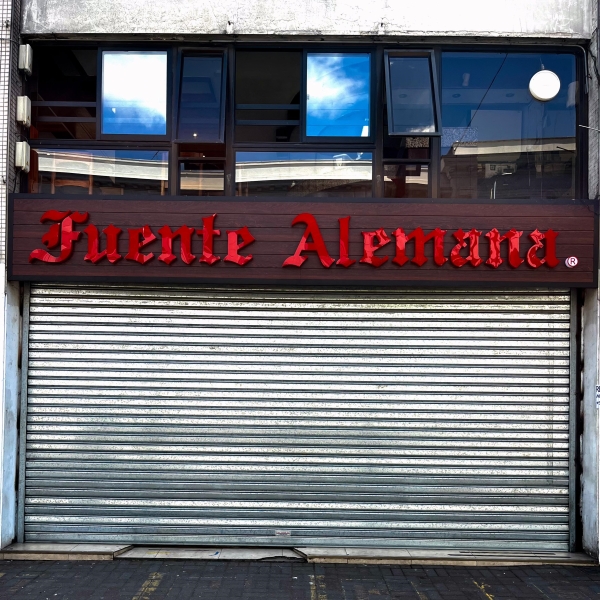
point(338, 95)
point(134, 93)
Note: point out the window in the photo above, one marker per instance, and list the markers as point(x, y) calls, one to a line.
point(406, 167)
point(134, 93)
point(99, 172)
point(267, 96)
point(498, 141)
point(304, 121)
point(62, 89)
point(410, 94)
point(338, 95)
point(320, 174)
point(337, 103)
point(201, 99)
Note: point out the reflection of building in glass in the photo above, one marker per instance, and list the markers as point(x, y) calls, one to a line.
point(302, 175)
point(510, 169)
point(105, 172)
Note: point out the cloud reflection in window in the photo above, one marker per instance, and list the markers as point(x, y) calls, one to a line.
point(134, 93)
point(338, 95)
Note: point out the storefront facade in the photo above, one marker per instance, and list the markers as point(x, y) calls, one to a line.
point(307, 290)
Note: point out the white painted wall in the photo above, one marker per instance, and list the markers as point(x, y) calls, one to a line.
point(455, 18)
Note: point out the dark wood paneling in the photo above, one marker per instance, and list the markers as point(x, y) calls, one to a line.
point(270, 223)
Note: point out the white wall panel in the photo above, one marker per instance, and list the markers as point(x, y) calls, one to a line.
point(484, 18)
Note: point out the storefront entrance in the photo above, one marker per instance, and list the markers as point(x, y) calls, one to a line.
point(298, 417)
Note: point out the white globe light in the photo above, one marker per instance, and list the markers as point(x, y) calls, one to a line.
point(544, 85)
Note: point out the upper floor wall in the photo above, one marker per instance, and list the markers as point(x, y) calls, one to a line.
point(556, 19)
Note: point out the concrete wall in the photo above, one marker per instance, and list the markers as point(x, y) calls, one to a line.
point(590, 350)
point(10, 319)
point(568, 19)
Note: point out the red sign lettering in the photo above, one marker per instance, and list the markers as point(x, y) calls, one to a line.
point(317, 245)
point(466, 250)
point(61, 232)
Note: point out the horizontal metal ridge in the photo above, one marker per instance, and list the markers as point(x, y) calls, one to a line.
point(223, 414)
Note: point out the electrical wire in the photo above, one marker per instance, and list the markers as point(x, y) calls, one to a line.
point(483, 97)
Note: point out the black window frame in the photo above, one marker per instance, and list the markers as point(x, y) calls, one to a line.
point(107, 145)
point(182, 54)
point(434, 76)
point(373, 144)
point(167, 137)
point(341, 140)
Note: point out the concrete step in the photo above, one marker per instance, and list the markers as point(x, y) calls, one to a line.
point(50, 551)
point(479, 558)
point(217, 553)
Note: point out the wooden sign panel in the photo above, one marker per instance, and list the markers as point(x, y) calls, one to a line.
point(329, 241)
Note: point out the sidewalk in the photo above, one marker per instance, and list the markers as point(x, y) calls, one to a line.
point(256, 580)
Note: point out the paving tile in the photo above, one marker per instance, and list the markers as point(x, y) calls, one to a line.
point(258, 580)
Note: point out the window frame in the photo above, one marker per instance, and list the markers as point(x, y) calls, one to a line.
point(134, 137)
point(299, 49)
point(179, 160)
point(182, 54)
point(434, 75)
point(378, 49)
point(298, 148)
point(84, 145)
point(341, 140)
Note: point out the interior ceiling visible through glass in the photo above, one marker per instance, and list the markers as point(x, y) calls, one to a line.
point(411, 95)
point(497, 140)
point(200, 99)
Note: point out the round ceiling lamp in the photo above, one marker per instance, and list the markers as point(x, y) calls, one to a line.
point(544, 85)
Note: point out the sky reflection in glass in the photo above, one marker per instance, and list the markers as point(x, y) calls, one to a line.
point(338, 95)
point(134, 93)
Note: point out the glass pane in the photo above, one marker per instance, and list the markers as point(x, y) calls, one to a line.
point(63, 123)
point(268, 86)
point(134, 93)
point(338, 95)
point(406, 181)
point(497, 140)
point(199, 178)
point(200, 100)
point(406, 147)
point(63, 74)
point(99, 172)
point(304, 174)
point(267, 133)
point(198, 151)
point(411, 95)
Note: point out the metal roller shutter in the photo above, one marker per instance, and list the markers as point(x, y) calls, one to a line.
point(263, 416)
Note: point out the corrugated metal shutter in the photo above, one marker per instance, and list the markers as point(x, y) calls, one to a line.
point(234, 416)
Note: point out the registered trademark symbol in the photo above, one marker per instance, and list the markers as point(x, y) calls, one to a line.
point(571, 262)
